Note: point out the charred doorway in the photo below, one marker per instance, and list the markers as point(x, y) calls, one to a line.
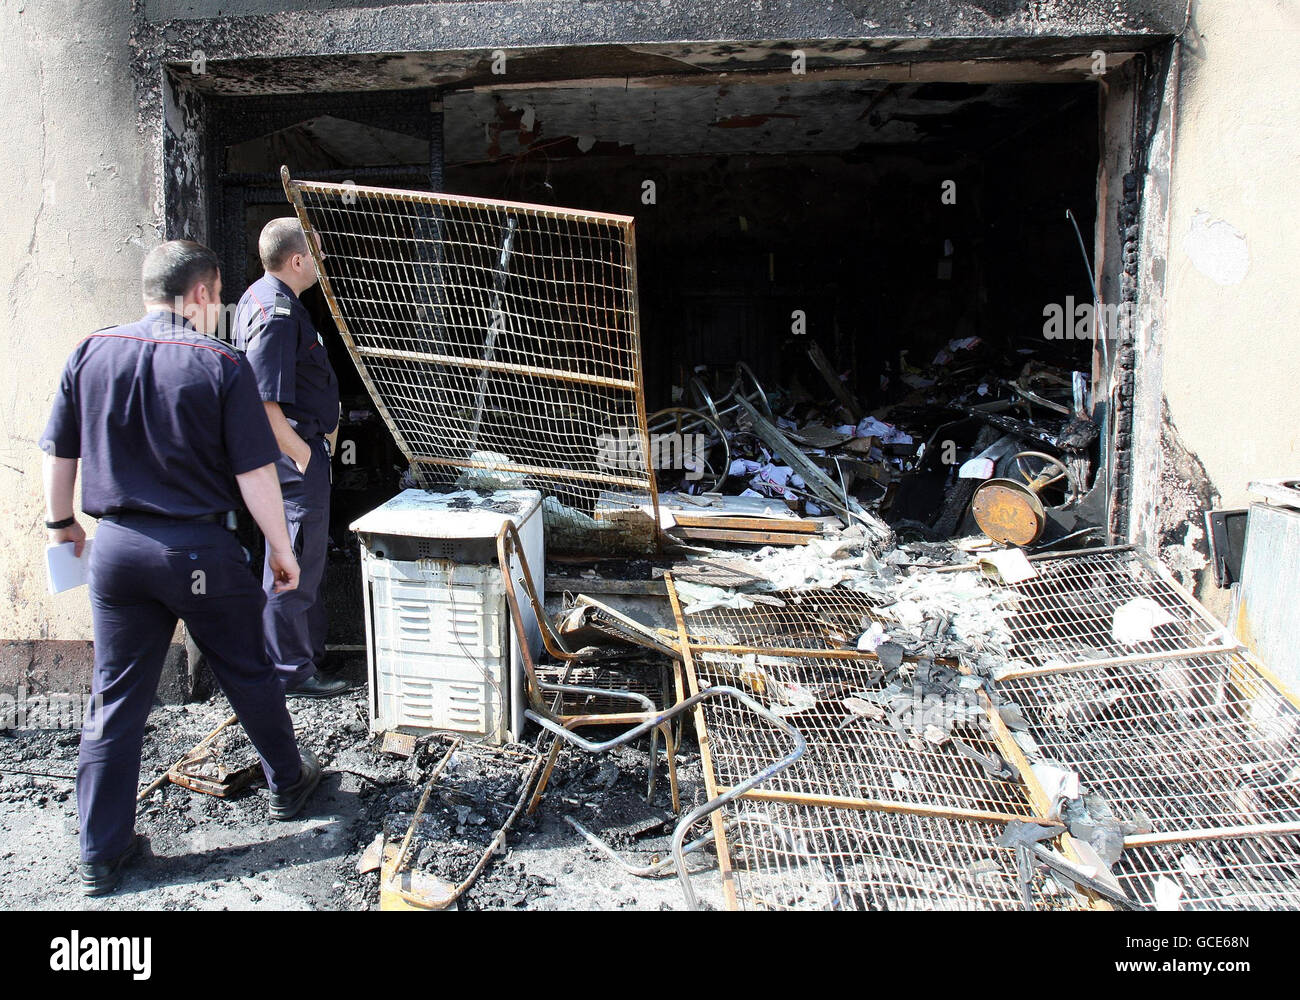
point(915, 233)
point(905, 243)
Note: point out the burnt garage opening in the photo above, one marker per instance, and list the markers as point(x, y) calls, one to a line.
point(914, 231)
point(896, 217)
point(911, 231)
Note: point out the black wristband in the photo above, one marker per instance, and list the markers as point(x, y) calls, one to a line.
point(67, 522)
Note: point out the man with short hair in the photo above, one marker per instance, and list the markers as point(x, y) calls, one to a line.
point(301, 397)
point(166, 427)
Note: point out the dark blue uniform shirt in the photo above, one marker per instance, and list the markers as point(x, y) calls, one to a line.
point(288, 357)
point(162, 418)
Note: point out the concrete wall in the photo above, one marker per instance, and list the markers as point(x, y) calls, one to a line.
point(1230, 365)
point(79, 216)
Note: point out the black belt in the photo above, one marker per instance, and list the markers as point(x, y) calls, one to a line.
point(154, 516)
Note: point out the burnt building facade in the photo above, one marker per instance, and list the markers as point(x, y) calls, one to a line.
point(898, 173)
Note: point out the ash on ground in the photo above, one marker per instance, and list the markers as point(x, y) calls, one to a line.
point(209, 853)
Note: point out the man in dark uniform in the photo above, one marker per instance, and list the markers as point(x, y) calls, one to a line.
point(301, 397)
point(167, 427)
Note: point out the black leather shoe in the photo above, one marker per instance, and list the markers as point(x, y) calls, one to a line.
point(99, 878)
point(317, 686)
point(288, 803)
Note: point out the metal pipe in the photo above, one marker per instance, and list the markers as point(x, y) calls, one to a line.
point(1136, 659)
point(424, 801)
point(1065, 538)
point(1288, 829)
point(268, 177)
point(640, 871)
point(494, 328)
point(563, 689)
point(1100, 550)
point(46, 774)
point(660, 718)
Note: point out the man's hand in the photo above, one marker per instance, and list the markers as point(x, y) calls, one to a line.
point(72, 533)
point(260, 489)
point(298, 450)
point(301, 456)
point(285, 567)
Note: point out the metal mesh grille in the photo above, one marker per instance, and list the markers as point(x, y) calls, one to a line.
point(1066, 613)
point(1237, 873)
point(871, 816)
point(792, 620)
point(499, 340)
point(646, 679)
point(849, 757)
point(1201, 744)
point(1192, 743)
point(804, 857)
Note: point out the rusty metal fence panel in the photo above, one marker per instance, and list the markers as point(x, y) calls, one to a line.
point(1064, 614)
point(499, 340)
point(1186, 734)
point(872, 816)
point(1191, 744)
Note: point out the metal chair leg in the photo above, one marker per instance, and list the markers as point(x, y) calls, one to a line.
point(654, 748)
point(670, 747)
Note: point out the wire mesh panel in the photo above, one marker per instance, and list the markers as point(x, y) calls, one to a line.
point(499, 340)
point(879, 756)
point(866, 727)
point(649, 679)
point(812, 619)
point(1238, 873)
point(1190, 744)
point(1067, 613)
point(901, 792)
point(794, 857)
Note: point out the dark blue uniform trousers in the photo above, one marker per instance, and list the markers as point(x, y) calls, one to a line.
point(294, 621)
point(146, 572)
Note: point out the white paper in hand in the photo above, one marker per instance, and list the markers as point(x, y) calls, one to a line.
point(65, 569)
